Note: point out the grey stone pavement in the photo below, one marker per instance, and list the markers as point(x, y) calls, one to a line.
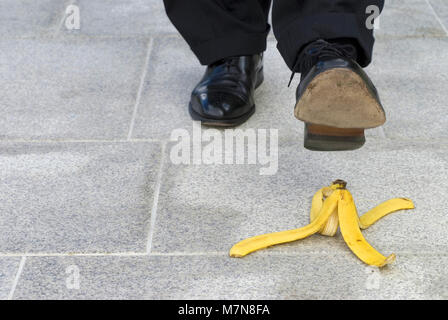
point(92, 207)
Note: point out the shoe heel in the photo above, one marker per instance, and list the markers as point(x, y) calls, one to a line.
point(324, 138)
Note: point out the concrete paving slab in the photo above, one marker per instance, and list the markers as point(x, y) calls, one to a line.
point(412, 18)
point(410, 75)
point(118, 18)
point(211, 207)
point(76, 197)
point(73, 89)
point(29, 18)
point(312, 276)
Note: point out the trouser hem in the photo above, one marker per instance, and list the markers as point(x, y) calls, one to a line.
point(234, 45)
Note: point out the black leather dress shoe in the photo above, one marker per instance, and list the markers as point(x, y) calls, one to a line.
point(335, 98)
point(225, 94)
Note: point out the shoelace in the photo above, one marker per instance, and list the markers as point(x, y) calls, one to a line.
point(321, 49)
point(227, 81)
point(229, 63)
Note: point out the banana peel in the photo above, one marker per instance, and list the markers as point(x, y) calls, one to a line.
point(332, 207)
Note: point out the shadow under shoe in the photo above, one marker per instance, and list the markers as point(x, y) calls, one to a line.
point(337, 101)
point(225, 94)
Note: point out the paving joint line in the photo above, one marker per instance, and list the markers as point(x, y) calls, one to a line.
point(134, 140)
point(205, 253)
point(157, 36)
point(140, 87)
point(69, 254)
point(155, 200)
point(382, 133)
point(392, 138)
point(437, 17)
point(17, 277)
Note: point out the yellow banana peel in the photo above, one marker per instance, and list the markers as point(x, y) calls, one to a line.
point(332, 207)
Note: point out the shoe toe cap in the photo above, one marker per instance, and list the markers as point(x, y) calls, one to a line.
point(218, 105)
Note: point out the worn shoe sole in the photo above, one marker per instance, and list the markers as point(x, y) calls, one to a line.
point(337, 106)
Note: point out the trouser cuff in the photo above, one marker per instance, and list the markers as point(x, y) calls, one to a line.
point(232, 45)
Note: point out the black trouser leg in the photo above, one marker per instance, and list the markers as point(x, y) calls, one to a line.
point(298, 22)
point(217, 29)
